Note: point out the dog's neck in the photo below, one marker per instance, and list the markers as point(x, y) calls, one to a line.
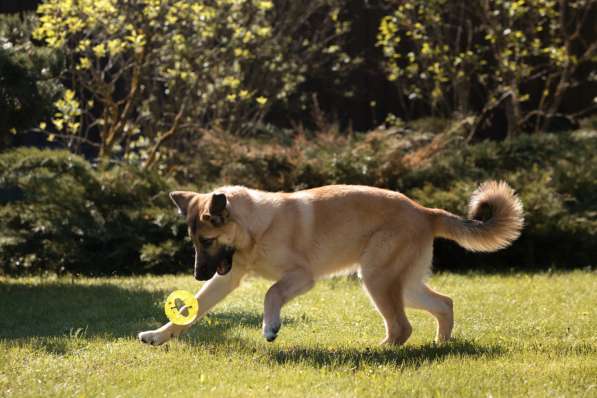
point(242, 239)
point(242, 206)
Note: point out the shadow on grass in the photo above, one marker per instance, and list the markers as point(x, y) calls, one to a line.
point(402, 357)
point(213, 334)
point(67, 309)
point(59, 317)
point(214, 330)
point(407, 356)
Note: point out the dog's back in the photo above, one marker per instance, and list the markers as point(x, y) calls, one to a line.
point(329, 228)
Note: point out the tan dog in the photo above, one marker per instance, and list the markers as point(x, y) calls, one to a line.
point(298, 238)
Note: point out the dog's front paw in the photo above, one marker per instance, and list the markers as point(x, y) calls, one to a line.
point(270, 332)
point(153, 337)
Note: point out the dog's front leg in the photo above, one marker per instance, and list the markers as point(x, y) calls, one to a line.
point(212, 292)
point(291, 285)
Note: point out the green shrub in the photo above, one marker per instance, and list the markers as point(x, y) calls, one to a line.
point(555, 177)
point(57, 214)
point(268, 172)
point(144, 72)
point(554, 174)
point(27, 86)
point(524, 56)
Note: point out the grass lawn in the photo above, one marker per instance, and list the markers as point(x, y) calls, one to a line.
point(515, 335)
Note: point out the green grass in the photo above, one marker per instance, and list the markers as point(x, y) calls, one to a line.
point(515, 335)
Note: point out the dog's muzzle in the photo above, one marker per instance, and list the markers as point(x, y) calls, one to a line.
point(206, 266)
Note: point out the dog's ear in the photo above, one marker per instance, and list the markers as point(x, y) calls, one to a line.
point(182, 199)
point(217, 204)
point(218, 214)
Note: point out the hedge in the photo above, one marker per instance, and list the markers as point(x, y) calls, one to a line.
point(59, 214)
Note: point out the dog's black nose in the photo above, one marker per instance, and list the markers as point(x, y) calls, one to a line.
point(204, 274)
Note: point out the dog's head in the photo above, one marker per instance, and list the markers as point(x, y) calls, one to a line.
point(210, 229)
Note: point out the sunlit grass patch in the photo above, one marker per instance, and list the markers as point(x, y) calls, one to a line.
point(515, 335)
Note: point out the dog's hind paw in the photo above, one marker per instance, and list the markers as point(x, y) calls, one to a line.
point(152, 337)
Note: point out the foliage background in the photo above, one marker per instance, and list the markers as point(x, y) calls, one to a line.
point(128, 99)
point(58, 214)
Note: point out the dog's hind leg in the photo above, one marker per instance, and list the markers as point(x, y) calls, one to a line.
point(421, 296)
point(383, 262)
point(288, 287)
point(212, 292)
point(386, 295)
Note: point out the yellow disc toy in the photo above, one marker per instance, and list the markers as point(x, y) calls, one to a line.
point(181, 307)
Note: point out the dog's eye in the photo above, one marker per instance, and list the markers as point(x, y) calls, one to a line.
point(206, 242)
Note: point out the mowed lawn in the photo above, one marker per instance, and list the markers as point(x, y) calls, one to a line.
point(515, 335)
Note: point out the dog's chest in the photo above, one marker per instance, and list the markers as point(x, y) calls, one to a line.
point(265, 269)
point(263, 263)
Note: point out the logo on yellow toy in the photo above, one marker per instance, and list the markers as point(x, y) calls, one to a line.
point(181, 307)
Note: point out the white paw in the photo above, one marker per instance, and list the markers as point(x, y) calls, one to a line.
point(153, 337)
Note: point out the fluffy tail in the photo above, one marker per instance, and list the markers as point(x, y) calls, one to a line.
point(495, 218)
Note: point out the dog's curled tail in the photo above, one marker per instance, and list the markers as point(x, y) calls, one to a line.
point(495, 218)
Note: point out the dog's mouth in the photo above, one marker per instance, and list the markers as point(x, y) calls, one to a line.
point(207, 266)
point(223, 269)
point(225, 264)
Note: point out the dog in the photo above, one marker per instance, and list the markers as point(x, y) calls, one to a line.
point(296, 239)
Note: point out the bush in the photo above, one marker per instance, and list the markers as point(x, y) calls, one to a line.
point(554, 174)
point(57, 214)
point(522, 56)
point(27, 84)
point(143, 72)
